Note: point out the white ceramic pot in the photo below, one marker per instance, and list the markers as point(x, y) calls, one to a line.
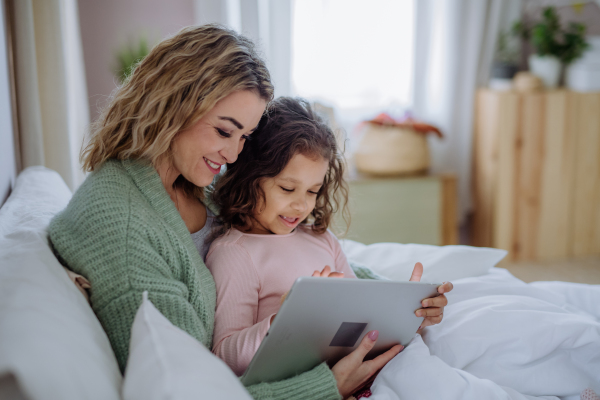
point(547, 68)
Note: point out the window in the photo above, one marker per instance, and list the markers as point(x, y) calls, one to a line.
point(356, 56)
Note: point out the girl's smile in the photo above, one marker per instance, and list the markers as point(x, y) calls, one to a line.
point(290, 196)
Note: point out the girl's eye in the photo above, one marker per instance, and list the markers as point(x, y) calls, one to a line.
point(223, 133)
point(311, 192)
point(286, 190)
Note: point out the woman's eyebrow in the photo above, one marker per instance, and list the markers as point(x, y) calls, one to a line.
point(233, 121)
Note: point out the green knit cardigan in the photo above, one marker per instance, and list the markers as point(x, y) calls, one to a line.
point(123, 233)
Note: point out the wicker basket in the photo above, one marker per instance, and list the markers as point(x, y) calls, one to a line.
point(390, 147)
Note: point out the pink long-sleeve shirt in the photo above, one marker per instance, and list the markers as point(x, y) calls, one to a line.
point(251, 273)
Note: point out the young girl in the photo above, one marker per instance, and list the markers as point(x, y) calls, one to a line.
point(276, 202)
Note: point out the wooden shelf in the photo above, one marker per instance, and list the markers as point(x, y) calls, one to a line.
point(536, 174)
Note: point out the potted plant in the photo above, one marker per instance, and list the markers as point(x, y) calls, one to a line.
point(129, 57)
point(553, 45)
point(505, 63)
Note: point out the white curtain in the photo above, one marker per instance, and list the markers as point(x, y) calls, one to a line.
point(266, 22)
point(455, 42)
point(52, 106)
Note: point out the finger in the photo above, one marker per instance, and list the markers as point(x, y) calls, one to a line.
point(326, 271)
point(433, 320)
point(445, 287)
point(429, 312)
point(417, 273)
point(439, 301)
point(366, 344)
point(380, 361)
point(316, 274)
point(336, 275)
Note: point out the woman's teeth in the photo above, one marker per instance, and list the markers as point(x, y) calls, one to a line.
point(212, 164)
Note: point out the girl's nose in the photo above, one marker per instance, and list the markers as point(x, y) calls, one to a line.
point(300, 205)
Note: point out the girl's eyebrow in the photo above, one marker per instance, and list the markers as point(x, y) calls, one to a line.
point(294, 180)
point(233, 121)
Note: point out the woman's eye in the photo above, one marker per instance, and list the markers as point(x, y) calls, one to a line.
point(246, 137)
point(286, 190)
point(223, 133)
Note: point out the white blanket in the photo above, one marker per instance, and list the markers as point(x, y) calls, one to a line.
point(502, 339)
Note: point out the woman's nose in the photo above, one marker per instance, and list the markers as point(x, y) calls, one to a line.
point(230, 151)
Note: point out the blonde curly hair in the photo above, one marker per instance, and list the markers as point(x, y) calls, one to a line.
point(181, 79)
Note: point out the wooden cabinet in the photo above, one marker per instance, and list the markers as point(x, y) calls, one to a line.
point(418, 209)
point(537, 173)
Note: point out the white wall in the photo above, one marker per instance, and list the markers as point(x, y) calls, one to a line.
point(108, 25)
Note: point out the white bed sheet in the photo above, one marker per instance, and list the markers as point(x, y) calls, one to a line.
point(503, 339)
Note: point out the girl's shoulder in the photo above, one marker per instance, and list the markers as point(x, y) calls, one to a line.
point(326, 236)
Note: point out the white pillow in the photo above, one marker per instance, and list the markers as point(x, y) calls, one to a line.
point(51, 342)
point(440, 263)
point(167, 363)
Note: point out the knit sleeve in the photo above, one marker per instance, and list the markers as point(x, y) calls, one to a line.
point(318, 383)
point(147, 271)
point(122, 254)
point(238, 333)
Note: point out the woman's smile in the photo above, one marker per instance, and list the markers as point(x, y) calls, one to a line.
point(213, 166)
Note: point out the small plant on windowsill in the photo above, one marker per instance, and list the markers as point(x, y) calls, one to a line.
point(554, 45)
point(129, 57)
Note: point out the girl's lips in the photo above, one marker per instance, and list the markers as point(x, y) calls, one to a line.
point(290, 222)
point(212, 169)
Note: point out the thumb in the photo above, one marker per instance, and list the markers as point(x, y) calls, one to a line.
point(417, 273)
point(366, 344)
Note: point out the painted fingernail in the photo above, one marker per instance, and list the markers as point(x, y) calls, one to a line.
point(401, 348)
point(373, 335)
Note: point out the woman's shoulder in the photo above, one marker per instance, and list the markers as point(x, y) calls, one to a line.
point(103, 199)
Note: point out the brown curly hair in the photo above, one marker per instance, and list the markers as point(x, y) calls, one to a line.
point(173, 87)
point(289, 127)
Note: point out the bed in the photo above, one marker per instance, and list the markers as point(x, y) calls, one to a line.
point(500, 338)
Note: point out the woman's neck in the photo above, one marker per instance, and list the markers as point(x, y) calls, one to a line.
point(168, 174)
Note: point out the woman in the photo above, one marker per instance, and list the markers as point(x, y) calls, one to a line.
point(186, 110)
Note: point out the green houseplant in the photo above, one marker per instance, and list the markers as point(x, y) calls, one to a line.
point(129, 57)
point(554, 45)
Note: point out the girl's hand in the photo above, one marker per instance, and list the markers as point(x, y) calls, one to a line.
point(352, 372)
point(326, 273)
point(433, 308)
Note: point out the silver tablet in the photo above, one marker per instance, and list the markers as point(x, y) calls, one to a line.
point(324, 319)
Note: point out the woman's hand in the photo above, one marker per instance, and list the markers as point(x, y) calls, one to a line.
point(326, 273)
point(352, 372)
point(433, 308)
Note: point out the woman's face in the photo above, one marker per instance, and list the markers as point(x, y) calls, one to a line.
point(217, 138)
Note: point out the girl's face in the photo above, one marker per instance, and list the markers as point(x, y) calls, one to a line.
point(217, 138)
point(290, 196)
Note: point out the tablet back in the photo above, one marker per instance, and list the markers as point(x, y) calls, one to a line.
point(325, 319)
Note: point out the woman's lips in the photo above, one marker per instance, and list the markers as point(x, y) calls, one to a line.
point(213, 166)
point(289, 221)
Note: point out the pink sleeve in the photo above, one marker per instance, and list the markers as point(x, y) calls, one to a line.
point(341, 262)
point(237, 333)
